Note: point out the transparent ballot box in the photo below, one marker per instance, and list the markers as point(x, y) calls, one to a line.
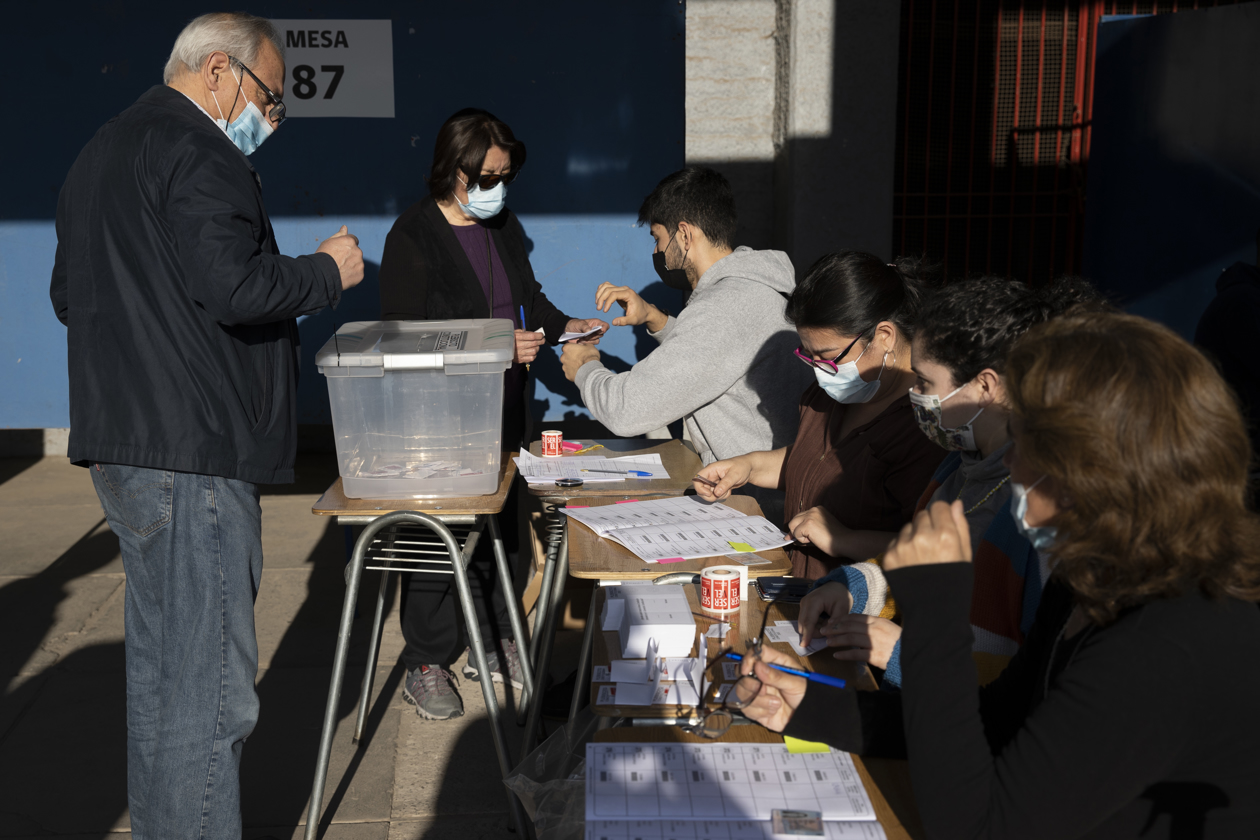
point(417, 406)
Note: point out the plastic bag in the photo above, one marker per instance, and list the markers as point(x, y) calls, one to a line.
point(551, 780)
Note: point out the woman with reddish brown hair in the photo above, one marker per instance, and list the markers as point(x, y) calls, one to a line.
point(1131, 710)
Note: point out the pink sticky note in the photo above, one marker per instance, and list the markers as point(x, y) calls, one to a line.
point(624, 501)
point(577, 506)
point(670, 560)
point(571, 446)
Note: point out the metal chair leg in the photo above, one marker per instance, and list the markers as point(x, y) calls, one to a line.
point(514, 613)
point(584, 658)
point(374, 649)
point(339, 669)
point(546, 641)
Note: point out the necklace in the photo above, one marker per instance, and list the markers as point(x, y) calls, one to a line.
point(986, 498)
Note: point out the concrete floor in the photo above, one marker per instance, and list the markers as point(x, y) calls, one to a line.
point(62, 726)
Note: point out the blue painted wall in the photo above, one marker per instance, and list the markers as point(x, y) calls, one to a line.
point(1174, 175)
point(594, 90)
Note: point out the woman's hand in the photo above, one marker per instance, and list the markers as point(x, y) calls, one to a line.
point(819, 527)
point(936, 535)
point(868, 639)
point(527, 346)
point(832, 598)
point(638, 311)
point(727, 475)
point(579, 325)
point(780, 693)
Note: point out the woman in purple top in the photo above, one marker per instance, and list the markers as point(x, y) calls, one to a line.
point(460, 253)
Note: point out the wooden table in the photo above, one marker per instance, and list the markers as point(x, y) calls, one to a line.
point(593, 557)
point(679, 461)
point(744, 624)
point(887, 782)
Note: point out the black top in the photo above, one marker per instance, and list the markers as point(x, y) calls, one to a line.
point(1227, 330)
point(182, 343)
point(1149, 727)
point(425, 274)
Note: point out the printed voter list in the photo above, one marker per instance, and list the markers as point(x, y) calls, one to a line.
point(338, 68)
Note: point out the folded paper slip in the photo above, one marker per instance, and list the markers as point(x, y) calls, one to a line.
point(681, 526)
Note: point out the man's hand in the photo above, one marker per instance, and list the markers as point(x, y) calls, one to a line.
point(819, 527)
point(343, 247)
point(638, 311)
point(574, 356)
point(578, 325)
point(832, 598)
point(527, 346)
point(780, 693)
point(936, 535)
point(728, 475)
point(868, 639)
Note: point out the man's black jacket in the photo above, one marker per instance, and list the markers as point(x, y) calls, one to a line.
point(180, 309)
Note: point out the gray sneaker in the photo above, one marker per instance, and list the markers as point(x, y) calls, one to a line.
point(431, 689)
point(496, 668)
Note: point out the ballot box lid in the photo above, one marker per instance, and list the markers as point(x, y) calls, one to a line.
point(372, 348)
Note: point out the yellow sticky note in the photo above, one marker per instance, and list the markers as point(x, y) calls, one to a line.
point(740, 546)
point(796, 746)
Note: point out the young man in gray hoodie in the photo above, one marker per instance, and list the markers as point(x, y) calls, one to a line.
point(725, 363)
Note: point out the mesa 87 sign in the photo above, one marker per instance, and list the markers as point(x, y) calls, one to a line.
point(338, 68)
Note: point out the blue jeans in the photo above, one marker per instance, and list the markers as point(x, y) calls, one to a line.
point(192, 550)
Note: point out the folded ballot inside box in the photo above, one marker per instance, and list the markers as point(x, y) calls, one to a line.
point(656, 612)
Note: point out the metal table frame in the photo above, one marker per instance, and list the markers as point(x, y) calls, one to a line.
point(404, 534)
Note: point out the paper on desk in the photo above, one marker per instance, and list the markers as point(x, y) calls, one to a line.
point(638, 694)
point(574, 336)
point(536, 470)
point(637, 671)
point(786, 631)
point(718, 630)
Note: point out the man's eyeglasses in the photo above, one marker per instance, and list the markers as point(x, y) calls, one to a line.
point(489, 182)
point(832, 366)
point(277, 104)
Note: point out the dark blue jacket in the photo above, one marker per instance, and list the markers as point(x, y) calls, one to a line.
point(180, 310)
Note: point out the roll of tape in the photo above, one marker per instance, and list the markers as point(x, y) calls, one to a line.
point(719, 589)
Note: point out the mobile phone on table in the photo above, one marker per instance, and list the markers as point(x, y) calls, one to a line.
point(786, 589)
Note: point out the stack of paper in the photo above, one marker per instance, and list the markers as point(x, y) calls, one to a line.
point(729, 783)
point(719, 830)
point(589, 468)
point(787, 631)
point(680, 528)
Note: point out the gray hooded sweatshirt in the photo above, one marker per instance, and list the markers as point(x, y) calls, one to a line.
point(725, 364)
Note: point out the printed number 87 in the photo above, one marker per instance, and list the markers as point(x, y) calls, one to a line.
point(304, 80)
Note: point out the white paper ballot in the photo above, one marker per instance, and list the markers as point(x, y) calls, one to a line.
point(638, 694)
point(572, 336)
point(717, 630)
point(786, 631)
point(637, 671)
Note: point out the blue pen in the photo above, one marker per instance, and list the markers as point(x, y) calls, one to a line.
point(640, 473)
point(809, 675)
point(523, 327)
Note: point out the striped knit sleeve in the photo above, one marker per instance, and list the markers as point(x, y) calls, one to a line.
point(865, 582)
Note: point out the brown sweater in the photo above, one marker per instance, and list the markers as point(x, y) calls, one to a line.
point(871, 480)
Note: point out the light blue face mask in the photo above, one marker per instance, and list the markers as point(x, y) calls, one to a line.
point(484, 204)
point(248, 131)
point(1041, 537)
point(846, 385)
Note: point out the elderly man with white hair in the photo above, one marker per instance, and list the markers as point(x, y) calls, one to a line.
point(180, 315)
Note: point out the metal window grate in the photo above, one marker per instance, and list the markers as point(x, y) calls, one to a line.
point(994, 105)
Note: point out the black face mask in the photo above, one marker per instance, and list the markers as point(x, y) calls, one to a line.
point(675, 278)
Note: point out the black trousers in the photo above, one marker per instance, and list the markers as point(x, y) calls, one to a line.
point(431, 617)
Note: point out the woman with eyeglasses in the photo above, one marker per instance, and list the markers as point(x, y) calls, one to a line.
point(460, 253)
point(859, 463)
point(1130, 710)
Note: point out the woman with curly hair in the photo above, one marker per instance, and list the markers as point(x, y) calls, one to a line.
point(1130, 711)
point(963, 334)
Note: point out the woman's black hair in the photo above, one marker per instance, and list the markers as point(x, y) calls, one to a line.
point(972, 324)
point(462, 144)
point(852, 291)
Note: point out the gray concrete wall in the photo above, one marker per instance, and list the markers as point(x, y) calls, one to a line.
point(795, 102)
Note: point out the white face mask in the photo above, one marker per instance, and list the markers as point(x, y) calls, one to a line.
point(846, 385)
point(928, 414)
point(1041, 537)
point(484, 204)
